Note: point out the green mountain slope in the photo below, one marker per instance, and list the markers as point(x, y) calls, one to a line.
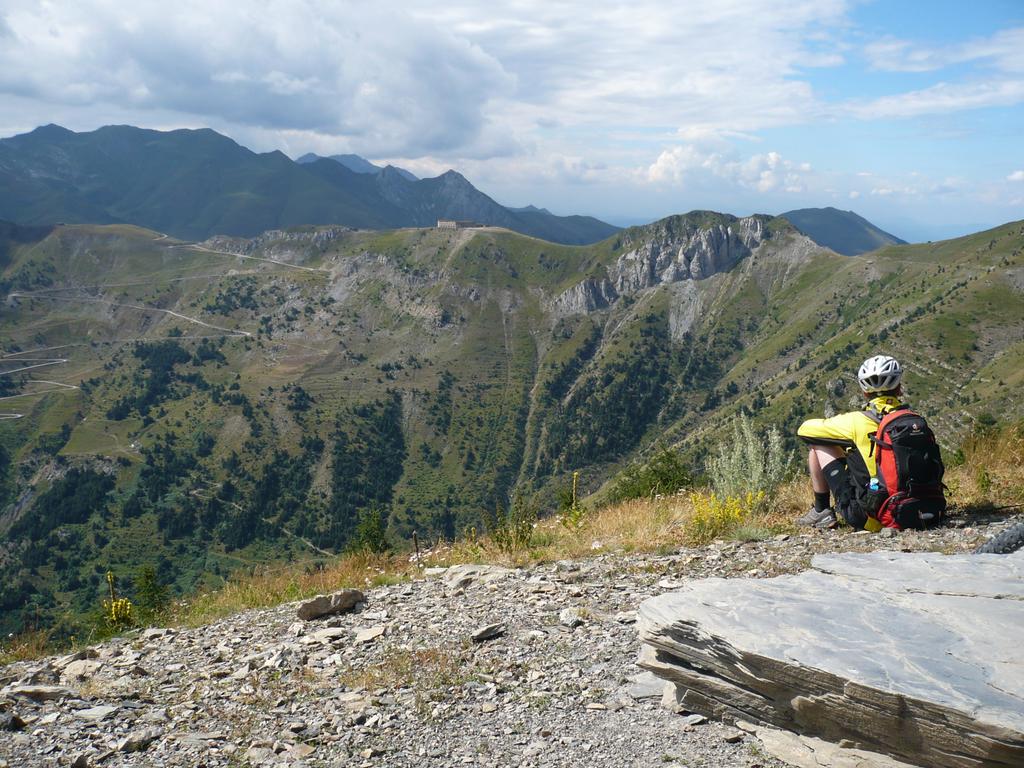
point(197, 183)
point(202, 408)
point(843, 231)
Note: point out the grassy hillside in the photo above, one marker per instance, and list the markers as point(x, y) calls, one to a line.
point(204, 409)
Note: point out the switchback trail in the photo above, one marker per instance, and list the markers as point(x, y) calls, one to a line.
point(204, 249)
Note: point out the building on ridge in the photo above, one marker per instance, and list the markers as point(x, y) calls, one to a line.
point(453, 224)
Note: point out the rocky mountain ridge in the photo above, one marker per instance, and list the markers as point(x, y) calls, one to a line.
point(664, 254)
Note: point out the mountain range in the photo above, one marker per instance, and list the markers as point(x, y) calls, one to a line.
point(205, 407)
point(196, 183)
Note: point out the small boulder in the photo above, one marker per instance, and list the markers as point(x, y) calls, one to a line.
point(39, 692)
point(488, 632)
point(96, 714)
point(370, 634)
point(260, 756)
point(328, 605)
point(80, 671)
point(327, 636)
point(11, 722)
point(462, 576)
point(155, 633)
point(63, 661)
point(138, 741)
point(299, 751)
point(571, 617)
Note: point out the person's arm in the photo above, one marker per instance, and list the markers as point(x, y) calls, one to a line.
point(838, 430)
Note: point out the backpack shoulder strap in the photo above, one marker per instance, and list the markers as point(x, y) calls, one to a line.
point(884, 421)
point(876, 415)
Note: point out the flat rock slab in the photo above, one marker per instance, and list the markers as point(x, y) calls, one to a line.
point(328, 605)
point(917, 656)
point(469, 574)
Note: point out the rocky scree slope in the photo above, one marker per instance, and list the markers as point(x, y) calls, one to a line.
point(550, 679)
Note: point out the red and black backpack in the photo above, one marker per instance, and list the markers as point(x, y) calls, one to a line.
point(910, 470)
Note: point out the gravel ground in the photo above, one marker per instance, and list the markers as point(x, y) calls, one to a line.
point(550, 679)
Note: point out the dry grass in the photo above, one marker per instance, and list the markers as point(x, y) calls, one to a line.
point(423, 670)
point(991, 473)
point(273, 586)
point(25, 647)
point(630, 526)
point(638, 525)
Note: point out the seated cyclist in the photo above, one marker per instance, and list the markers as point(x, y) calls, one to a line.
point(840, 458)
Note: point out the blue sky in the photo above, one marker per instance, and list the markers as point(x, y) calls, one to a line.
point(910, 113)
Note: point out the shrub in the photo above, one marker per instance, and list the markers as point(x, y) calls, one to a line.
point(370, 535)
point(571, 514)
point(512, 531)
point(664, 474)
point(151, 594)
point(751, 462)
point(716, 516)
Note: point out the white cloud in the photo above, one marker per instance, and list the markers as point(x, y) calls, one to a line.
point(1002, 51)
point(854, 194)
point(1016, 176)
point(942, 98)
point(368, 73)
point(766, 172)
point(673, 165)
point(892, 190)
point(465, 78)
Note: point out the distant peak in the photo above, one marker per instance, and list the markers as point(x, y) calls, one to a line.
point(452, 175)
point(530, 209)
point(51, 130)
point(845, 232)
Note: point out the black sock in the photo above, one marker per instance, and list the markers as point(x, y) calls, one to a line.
point(821, 500)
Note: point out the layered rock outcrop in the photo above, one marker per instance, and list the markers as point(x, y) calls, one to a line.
point(586, 296)
point(915, 656)
point(689, 254)
point(670, 251)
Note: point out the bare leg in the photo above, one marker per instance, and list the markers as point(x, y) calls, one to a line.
point(818, 457)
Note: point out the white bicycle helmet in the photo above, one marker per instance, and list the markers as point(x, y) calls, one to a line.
point(880, 373)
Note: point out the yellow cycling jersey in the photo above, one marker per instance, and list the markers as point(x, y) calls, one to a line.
point(851, 430)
